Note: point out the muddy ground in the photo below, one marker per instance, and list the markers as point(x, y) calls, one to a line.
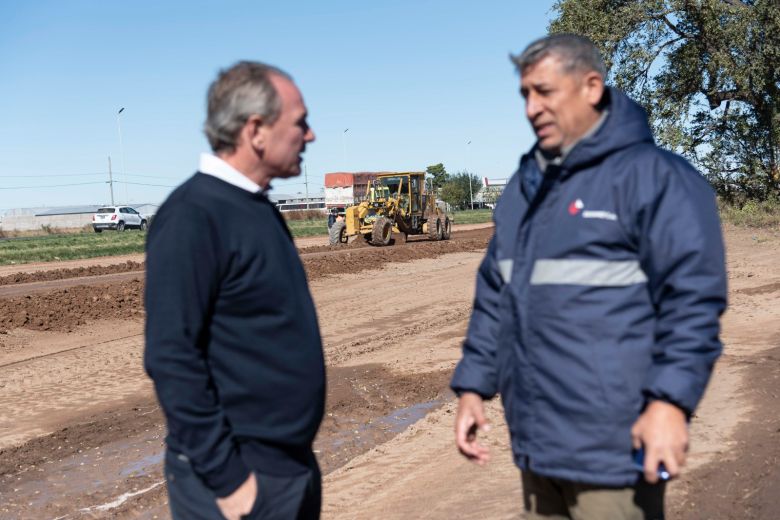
point(81, 435)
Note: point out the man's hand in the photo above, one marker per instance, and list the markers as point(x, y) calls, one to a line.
point(663, 432)
point(240, 502)
point(470, 418)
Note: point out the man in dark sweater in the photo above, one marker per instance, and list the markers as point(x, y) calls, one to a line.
point(232, 341)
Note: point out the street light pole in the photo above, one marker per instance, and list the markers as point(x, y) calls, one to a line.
point(344, 148)
point(122, 149)
point(110, 181)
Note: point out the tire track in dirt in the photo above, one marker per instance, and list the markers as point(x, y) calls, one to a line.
point(761, 289)
point(342, 353)
point(42, 393)
point(65, 350)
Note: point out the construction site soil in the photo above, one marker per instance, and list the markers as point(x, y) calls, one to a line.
point(121, 296)
point(76, 272)
point(81, 435)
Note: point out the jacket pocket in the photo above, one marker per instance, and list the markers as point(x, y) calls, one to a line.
point(257, 505)
point(575, 369)
point(623, 359)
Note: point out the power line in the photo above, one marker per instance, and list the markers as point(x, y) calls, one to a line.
point(80, 184)
point(106, 182)
point(82, 175)
point(300, 184)
point(50, 185)
point(53, 175)
point(143, 184)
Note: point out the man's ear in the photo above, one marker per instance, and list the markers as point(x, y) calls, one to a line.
point(593, 84)
point(254, 131)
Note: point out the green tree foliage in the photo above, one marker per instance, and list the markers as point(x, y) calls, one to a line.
point(454, 195)
point(438, 173)
point(456, 190)
point(706, 71)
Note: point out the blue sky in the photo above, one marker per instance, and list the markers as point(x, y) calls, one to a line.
point(413, 81)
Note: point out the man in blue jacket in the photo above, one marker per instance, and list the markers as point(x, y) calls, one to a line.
point(232, 341)
point(597, 307)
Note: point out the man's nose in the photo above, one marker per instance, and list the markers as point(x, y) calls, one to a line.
point(532, 107)
point(309, 137)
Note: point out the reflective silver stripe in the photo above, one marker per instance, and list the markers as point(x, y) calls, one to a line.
point(505, 268)
point(603, 273)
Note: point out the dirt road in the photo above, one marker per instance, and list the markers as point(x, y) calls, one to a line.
point(81, 435)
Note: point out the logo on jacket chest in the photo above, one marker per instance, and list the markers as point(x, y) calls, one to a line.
point(577, 207)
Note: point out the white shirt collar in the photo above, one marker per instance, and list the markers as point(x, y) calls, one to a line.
point(216, 167)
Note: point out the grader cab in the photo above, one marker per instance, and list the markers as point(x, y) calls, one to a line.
point(395, 202)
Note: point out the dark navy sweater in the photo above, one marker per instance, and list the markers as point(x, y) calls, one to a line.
point(232, 341)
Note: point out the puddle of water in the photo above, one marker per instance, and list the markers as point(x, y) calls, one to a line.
point(401, 419)
point(366, 435)
point(142, 466)
point(99, 475)
point(93, 474)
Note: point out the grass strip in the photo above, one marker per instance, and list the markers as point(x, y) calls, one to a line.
point(477, 216)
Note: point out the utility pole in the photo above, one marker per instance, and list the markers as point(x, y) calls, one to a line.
point(471, 194)
point(306, 183)
point(110, 181)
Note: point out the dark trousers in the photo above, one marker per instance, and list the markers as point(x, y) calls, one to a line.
point(297, 497)
point(556, 499)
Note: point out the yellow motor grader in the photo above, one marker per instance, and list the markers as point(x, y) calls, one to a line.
point(394, 202)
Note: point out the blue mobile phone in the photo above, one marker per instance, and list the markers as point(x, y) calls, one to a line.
point(639, 465)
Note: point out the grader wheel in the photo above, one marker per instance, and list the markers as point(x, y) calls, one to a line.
point(381, 232)
point(434, 229)
point(337, 233)
point(447, 229)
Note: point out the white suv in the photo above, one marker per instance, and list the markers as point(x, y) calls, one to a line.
point(119, 218)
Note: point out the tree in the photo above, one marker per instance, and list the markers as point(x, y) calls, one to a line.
point(456, 190)
point(453, 194)
point(438, 173)
point(706, 72)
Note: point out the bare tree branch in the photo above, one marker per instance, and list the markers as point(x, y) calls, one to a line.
point(676, 30)
point(716, 98)
point(645, 72)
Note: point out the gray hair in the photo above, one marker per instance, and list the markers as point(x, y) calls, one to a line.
point(577, 53)
point(243, 90)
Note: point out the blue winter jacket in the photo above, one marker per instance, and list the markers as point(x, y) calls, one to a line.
point(601, 293)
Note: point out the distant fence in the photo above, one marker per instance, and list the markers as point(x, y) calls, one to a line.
point(36, 222)
point(301, 206)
